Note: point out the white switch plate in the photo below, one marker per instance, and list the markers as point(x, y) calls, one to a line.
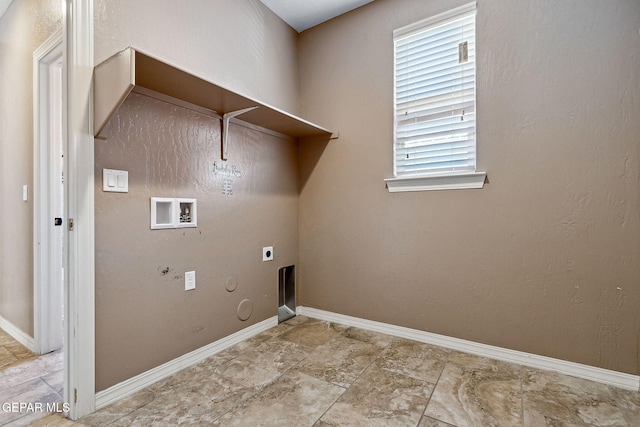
point(267, 253)
point(115, 181)
point(25, 193)
point(189, 280)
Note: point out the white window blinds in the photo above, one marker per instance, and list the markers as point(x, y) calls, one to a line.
point(435, 96)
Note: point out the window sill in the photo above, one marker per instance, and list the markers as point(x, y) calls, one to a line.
point(436, 182)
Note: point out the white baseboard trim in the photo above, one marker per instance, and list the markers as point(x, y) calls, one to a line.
point(605, 376)
point(18, 334)
point(145, 379)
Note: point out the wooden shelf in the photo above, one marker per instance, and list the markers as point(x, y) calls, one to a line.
point(132, 70)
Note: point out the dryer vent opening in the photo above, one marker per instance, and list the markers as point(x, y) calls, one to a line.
point(286, 293)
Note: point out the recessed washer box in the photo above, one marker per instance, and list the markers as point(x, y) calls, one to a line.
point(173, 213)
point(187, 213)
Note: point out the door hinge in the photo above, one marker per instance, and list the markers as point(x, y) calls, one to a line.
point(75, 395)
point(70, 224)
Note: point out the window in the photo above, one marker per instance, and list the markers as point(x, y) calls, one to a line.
point(435, 106)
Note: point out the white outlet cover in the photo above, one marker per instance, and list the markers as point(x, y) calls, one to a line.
point(189, 280)
point(267, 253)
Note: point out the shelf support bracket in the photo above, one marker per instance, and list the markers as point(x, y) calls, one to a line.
point(225, 128)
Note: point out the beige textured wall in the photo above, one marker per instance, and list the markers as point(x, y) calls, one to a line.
point(239, 44)
point(144, 317)
point(23, 28)
point(546, 258)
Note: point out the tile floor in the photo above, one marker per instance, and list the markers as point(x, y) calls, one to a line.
point(27, 378)
point(12, 352)
point(312, 373)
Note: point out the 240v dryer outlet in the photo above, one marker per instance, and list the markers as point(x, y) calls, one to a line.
point(267, 253)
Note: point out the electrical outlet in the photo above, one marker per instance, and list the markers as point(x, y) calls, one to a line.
point(189, 280)
point(267, 253)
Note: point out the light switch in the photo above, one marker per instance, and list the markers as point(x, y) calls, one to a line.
point(115, 181)
point(25, 193)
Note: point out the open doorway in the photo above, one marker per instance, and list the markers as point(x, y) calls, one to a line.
point(26, 376)
point(48, 195)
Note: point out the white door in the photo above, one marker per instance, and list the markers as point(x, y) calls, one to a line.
point(48, 196)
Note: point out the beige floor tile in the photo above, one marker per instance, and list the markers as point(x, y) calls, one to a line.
point(119, 409)
point(430, 422)
point(193, 374)
point(12, 352)
point(294, 400)
point(313, 333)
point(7, 358)
point(629, 403)
point(5, 338)
point(219, 393)
point(37, 419)
point(560, 400)
point(247, 345)
point(340, 361)
point(422, 361)
point(189, 404)
point(474, 391)
point(55, 420)
point(19, 351)
point(284, 377)
point(288, 324)
point(381, 340)
point(265, 363)
point(380, 398)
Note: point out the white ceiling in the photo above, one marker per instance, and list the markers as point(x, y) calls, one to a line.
point(4, 4)
point(300, 14)
point(303, 14)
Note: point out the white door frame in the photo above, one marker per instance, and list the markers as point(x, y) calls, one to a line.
point(79, 298)
point(47, 191)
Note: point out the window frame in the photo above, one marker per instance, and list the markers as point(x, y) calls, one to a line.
point(436, 180)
